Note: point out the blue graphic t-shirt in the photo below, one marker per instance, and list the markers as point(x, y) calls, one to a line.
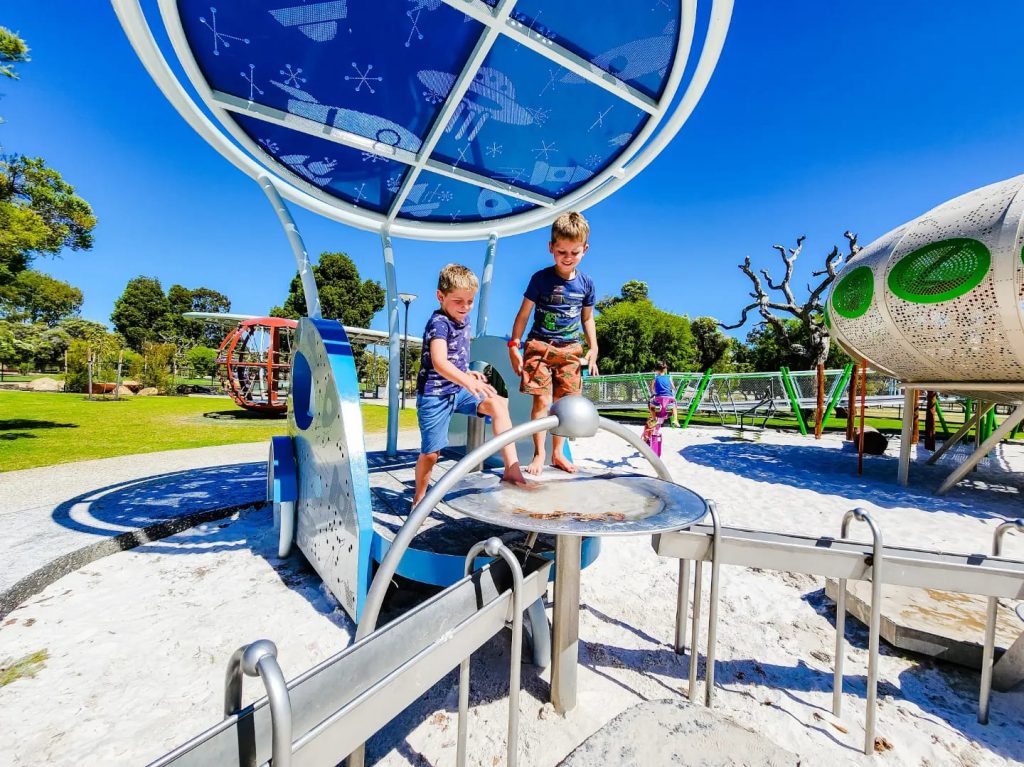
point(559, 302)
point(663, 386)
point(429, 382)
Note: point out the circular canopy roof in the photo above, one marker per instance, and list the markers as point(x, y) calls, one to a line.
point(439, 119)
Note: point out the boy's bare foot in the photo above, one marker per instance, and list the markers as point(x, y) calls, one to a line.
point(563, 463)
point(514, 475)
point(536, 465)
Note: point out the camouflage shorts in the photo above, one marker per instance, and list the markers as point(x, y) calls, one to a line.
point(555, 369)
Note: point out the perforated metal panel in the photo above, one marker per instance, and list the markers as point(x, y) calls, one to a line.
point(949, 290)
point(333, 511)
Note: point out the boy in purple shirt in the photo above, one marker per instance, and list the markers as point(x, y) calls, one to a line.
point(562, 301)
point(445, 385)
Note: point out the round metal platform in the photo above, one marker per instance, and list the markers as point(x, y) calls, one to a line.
point(585, 504)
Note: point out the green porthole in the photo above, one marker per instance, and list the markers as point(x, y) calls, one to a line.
point(940, 271)
point(852, 295)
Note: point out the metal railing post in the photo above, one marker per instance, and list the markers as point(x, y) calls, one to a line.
point(260, 659)
point(494, 547)
point(837, 392)
point(876, 614)
point(697, 397)
point(1016, 525)
point(794, 401)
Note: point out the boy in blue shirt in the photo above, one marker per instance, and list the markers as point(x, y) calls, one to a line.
point(446, 386)
point(552, 361)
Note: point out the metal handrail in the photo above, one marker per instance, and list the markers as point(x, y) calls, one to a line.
point(260, 659)
point(573, 416)
point(873, 627)
point(494, 547)
point(988, 652)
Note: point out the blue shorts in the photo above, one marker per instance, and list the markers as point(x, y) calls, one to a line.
point(435, 414)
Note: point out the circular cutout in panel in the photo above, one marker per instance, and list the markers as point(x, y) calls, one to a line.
point(852, 295)
point(940, 271)
point(302, 391)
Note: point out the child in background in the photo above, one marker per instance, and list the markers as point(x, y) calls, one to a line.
point(661, 387)
point(446, 386)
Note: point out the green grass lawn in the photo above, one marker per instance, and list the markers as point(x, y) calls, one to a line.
point(42, 428)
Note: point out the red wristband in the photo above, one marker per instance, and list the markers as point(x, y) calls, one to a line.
point(514, 344)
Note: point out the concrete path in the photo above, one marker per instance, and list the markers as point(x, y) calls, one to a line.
point(56, 519)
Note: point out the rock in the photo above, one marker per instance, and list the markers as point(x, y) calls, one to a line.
point(45, 384)
point(875, 442)
point(133, 385)
point(124, 391)
point(149, 391)
point(840, 412)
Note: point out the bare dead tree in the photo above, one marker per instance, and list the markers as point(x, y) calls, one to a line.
point(810, 313)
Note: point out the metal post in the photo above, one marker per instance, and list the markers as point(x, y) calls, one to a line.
point(906, 436)
point(709, 668)
point(406, 298)
point(494, 547)
point(873, 628)
point(837, 392)
point(697, 397)
point(794, 401)
point(291, 231)
point(990, 624)
point(486, 279)
point(969, 421)
point(391, 290)
point(698, 575)
point(565, 630)
point(682, 596)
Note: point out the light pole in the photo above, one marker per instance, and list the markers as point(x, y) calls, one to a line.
point(405, 298)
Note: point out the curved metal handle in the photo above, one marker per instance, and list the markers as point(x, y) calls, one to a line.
point(494, 547)
point(873, 626)
point(989, 649)
point(260, 659)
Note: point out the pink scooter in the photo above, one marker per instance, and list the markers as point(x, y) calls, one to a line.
point(652, 432)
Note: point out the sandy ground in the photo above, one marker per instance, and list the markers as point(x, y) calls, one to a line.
point(136, 643)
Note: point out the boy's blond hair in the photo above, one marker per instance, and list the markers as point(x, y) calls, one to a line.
point(570, 226)
point(456, 277)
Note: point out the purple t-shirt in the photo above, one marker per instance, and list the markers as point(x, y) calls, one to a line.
point(559, 302)
point(429, 382)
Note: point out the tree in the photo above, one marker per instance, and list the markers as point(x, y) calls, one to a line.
point(40, 214)
point(141, 313)
point(633, 335)
point(13, 50)
point(813, 345)
point(188, 332)
point(633, 290)
point(343, 296)
point(85, 330)
point(36, 297)
point(202, 360)
point(375, 368)
point(710, 342)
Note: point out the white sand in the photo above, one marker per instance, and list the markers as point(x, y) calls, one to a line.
point(138, 642)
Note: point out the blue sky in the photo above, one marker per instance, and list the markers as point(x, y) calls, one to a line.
point(821, 116)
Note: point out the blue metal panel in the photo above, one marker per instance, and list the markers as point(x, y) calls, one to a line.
point(438, 198)
point(361, 178)
point(283, 487)
point(532, 123)
point(637, 47)
point(346, 63)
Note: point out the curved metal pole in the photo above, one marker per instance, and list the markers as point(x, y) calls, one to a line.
point(1016, 525)
point(698, 576)
point(876, 615)
point(394, 348)
point(306, 275)
point(486, 278)
point(260, 659)
point(495, 547)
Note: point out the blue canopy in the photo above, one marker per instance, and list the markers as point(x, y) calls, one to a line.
point(437, 112)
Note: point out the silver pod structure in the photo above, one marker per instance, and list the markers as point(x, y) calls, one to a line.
point(939, 298)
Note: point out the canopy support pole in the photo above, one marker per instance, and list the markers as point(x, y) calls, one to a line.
point(309, 290)
point(486, 279)
point(394, 346)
